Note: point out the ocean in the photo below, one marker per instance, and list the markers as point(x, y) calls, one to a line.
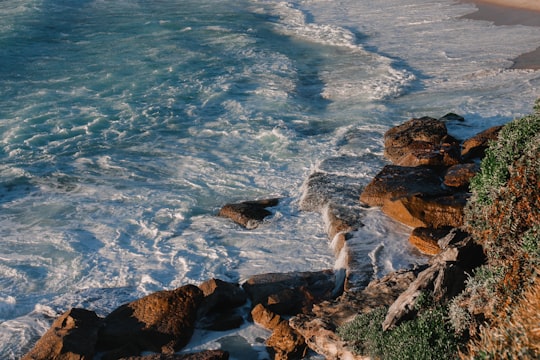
point(125, 125)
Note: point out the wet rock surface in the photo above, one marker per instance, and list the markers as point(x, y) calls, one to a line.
point(72, 336)
point(249, 214)
point(416, 190)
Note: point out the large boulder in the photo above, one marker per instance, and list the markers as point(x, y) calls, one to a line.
point(161, 322)
point(476, 146)
point(291, 293)
point(219, 295)
point(217, 311)
point(72, 336)
point(423, 141)
point(249, 214)
point(427, 211)
point(394, 182)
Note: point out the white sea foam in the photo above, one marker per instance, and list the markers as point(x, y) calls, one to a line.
point(119, 142)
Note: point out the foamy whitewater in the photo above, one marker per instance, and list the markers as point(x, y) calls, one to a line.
point(125, 125)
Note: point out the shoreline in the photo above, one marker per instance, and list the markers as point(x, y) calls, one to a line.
point(511, 12)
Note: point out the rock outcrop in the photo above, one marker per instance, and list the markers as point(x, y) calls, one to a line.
point(218, 309)
point(291, 293)
point(425, 188)
point(423, 141)
point(161, 322)
point(72, 336)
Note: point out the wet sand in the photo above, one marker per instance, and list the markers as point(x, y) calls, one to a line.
point(511, 12)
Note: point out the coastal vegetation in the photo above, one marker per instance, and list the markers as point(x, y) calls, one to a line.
point(497, 315)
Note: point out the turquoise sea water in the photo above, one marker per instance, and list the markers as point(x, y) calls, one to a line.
point(125, 125)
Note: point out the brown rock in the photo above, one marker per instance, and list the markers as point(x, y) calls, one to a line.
point(221, 295)
point(286, 343)
point(72, 336)
point(416, 135)
point(459, 176)
point(265, 318)
point(394, 182)
point(430, 154)
point(424, 211)
point(475, 147)
point(249, 214)
point(290, 293)
point(160, 322)
point(203, 355)
point(426, 239)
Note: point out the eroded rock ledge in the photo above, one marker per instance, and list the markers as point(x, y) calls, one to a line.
point(425, 188)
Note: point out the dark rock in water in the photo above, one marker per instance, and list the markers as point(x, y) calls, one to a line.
point(475, 147)
point(203, 355)
point(423, 141)
point(394, 182)
point(291, 293)
point(160, 322)
point(217, 309)
point(426, 239)
point(286, 343)
point(452, 117)
point(249, 214)
point(426, 211)
point(221, 321)
point(221, 295)
point(72, 336)
point(459, 176)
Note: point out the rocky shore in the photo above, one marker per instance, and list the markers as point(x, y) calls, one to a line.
point(424, 187)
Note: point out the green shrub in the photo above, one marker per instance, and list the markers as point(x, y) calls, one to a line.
point(505, 201)
point(426, 337)
point(503, 215)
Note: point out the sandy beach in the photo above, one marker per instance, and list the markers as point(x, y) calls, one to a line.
point(512, 12)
